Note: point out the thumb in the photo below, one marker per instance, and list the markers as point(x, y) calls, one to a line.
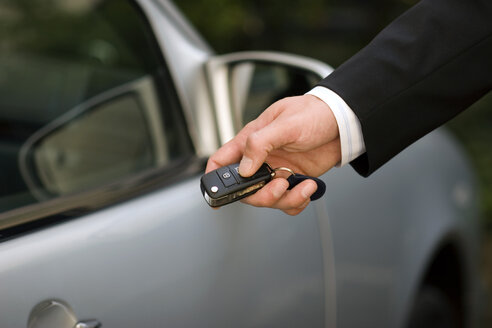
point(260, 144)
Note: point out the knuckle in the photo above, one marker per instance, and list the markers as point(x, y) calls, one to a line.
point(299, 201)
point(256, 145)
point(249, 126)
point(253, 141)
point(267, 199)
point(299, 209)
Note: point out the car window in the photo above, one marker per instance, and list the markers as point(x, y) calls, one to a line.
point(85, 99)
point(257, 85)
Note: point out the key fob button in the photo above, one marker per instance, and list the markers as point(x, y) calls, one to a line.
point(226, 177)
point(235, 172)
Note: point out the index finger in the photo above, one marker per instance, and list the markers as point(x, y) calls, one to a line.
point(233, 150)
point(229, 153)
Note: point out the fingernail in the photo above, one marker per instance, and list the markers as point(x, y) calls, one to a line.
point(308, 190)
point(245, 166)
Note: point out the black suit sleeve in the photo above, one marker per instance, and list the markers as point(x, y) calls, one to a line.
point(427, 66)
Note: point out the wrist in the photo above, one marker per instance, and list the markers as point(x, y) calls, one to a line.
point(324, 116)
point(349, 128)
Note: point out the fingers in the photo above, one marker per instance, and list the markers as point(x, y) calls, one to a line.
point(295, 124)
point(261, 143)
point(276, 195)
point(298, 132)
point(269, 194)
point(253, 143)
point(232, 151)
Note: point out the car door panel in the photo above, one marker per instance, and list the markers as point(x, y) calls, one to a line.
point(154, 262)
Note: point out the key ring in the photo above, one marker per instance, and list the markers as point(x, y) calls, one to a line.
point(294, 179)
point(286, 169)
point(275, 170)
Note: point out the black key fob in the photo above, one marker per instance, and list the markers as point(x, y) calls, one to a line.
point(224, 185)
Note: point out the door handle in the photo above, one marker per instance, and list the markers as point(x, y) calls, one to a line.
point(88, 324)
point(56, 313)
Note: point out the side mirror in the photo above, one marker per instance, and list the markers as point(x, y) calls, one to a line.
point(244, 84)
point(105, 138)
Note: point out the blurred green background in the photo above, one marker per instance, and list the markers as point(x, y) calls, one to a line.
point(332, 31)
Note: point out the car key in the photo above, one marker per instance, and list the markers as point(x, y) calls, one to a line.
point(224, 185)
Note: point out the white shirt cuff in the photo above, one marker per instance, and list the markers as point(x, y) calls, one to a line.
point(351, 138)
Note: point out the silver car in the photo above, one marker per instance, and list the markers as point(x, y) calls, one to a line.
point(108, 112)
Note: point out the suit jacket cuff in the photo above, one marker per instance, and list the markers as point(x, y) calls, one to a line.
point(349, 128)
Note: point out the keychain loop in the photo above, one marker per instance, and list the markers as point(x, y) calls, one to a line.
point(286, 169)
point(294, 179)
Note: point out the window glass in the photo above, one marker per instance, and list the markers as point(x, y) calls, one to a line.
point(84, 98)
point(256, 85)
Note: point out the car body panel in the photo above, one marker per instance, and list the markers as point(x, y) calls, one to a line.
point(355, 258)
point(384, 243)
point(166, 259)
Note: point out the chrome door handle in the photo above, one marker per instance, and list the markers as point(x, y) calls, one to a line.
point(57, 313)
point(88, 324)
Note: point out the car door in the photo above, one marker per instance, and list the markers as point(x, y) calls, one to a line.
point(102, 220)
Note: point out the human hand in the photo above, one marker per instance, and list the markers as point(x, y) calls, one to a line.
point(300, 133)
